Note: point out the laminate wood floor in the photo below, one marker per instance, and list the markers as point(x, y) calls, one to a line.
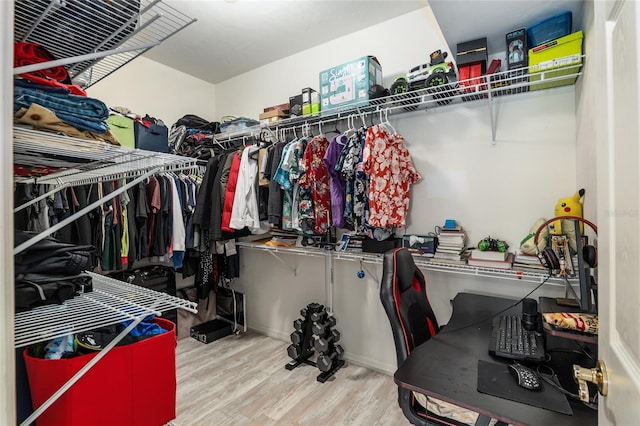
point(242, 380)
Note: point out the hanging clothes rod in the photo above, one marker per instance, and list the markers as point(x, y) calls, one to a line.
point(95, 161)
point(44, 234)
point(41, 197)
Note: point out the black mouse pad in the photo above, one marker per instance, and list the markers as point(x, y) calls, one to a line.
point(495, 379)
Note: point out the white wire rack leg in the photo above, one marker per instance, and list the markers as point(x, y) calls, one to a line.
point(328, 281)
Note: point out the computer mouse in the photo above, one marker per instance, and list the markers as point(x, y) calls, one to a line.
point(525, 377)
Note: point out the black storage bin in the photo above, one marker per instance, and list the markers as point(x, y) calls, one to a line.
point(374, 246)
point(152, 138)
point(210, 331)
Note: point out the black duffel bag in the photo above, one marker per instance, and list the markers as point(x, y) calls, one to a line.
point(33, 290)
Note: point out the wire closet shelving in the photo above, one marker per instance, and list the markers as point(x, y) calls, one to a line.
point(95, 38)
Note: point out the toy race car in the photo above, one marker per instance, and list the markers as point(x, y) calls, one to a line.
point(438, 77)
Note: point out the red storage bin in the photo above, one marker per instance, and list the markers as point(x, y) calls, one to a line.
point(132, 385)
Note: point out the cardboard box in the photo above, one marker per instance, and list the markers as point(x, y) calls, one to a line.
point(554, 59)
point(295, 105)
point(347, 85)
point(272, 116)
point(282, 107)
point(516, 49)
point(472, 53)
point(310, 101)
point(470, 80)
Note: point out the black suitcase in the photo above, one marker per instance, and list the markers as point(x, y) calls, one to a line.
point(158, 278)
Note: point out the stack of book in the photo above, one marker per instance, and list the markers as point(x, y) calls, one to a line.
point(527, 261)
point(452, 246)
point(490, 259)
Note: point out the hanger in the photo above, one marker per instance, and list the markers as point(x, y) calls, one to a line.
point(336, 127)
point(351, 128)
point(371, 118)
point(361, 114)
point(387, 122)
point(218, 143)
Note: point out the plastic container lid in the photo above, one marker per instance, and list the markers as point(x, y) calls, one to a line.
point(551, 28)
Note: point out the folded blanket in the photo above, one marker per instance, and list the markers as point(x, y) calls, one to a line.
point(33, 53)
point(82, 112)
point(41, 118)
point(25, 53)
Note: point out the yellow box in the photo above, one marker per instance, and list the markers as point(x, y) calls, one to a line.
point(553, 59)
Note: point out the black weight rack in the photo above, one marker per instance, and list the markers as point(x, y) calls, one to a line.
point(315, 329)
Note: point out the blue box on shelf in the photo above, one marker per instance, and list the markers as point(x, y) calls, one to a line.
point(551, 28)
point(346, 86)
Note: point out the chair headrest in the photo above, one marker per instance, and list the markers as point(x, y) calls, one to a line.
point(405, 269)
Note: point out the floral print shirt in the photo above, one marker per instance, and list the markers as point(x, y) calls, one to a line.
point(315, 178)
point(391, 172)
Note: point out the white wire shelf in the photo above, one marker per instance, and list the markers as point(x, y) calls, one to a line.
point(551, 74)
point(70, 29)
point(83, 162)
point(110, 302)
point(422, 262)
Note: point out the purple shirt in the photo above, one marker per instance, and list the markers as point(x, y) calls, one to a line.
point(337, 180)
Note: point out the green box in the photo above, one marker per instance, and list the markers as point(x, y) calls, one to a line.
point(555, 58)
point(346, 86)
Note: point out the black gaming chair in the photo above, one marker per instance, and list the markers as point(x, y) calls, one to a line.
point(404, 296)
point(403, 292)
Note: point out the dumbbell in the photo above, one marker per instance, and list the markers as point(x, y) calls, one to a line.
point(325, 362)
point(299, 324)
point(322, 344)
point(296, 337)
point(319, 315)
point(294, 351)
point(319, 327)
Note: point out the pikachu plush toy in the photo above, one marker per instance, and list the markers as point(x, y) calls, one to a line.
point(569, 206)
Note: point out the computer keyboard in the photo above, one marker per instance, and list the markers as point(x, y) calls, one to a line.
point(509, 339)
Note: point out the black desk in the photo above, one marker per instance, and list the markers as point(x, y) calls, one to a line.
point(446, 367)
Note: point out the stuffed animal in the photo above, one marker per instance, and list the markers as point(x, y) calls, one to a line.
point(527, 245)
point(569, 206)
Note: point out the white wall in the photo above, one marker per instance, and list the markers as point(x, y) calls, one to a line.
point(148, 87)
point(399, 44)
point(491, 190)
point(587, 109)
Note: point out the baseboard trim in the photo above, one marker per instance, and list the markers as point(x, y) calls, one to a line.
point(355, 359)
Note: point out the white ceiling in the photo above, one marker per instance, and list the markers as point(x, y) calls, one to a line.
point(465, 20)
point(232, 37)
